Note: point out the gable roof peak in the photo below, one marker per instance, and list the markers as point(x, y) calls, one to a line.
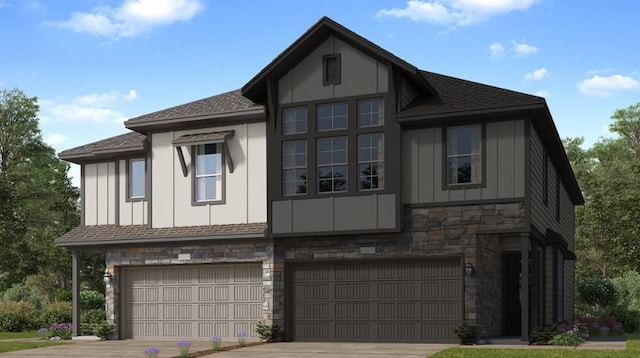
point(256, 88)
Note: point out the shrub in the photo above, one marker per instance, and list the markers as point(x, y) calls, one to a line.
point(267, 332)
point(64, 296)
point(567, 339)
point(91, 300)
point(628, 286)
point(16, 316)
point(597, 292)
point(105, 331)
point(468, 333)
point(21, 292)
point(629, 318)
point(62, 330)
point(542, 335)
point(55, 313)
point(90, 320)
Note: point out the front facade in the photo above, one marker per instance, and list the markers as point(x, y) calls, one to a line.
point(342, 194)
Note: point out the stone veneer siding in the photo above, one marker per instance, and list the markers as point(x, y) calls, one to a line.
point(489, 276)
point(445, 231)
point(201, 253)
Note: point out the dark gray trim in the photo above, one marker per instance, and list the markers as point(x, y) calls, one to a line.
point(445, 159)
point(326, 80)
point(557, 196)
point(149, 183)
point(183, 164)
point(524, 288)
point(103, 155)
point(83, 201)
point(545, 178)
point(516, 230)
point(128, 197)
point(193, 178)
point(335, 233)
point(75, 292)
point(221, 118)
point(466, 202)
point(527, 172)
point(160, 240)
point(117, 192)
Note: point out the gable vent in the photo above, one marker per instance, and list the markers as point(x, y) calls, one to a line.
point(331, 69)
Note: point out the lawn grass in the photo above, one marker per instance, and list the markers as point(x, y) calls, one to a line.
point(633, 350)
point(19, 335)
point(9, 346)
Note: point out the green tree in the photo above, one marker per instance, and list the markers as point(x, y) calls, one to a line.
point(608, 224)
point(39, 203)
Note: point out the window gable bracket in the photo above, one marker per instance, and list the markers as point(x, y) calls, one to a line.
point(204, 138)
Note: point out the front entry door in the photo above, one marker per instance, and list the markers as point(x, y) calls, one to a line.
point(512, 312)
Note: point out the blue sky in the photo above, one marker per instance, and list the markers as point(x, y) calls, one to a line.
point(95, 63)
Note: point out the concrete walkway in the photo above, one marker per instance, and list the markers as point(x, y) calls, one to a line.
point(136, 348)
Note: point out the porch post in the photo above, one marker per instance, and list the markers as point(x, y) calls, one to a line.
point(75, 287)
point(524, 288)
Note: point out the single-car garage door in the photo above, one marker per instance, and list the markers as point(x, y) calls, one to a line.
point(191, 301)
point(400, 300)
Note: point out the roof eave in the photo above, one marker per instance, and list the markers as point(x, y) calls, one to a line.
point(100, 154)
point(253, 115)
point(162, 240)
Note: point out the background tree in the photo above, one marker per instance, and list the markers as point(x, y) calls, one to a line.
point(39, 203)
point(608, 225)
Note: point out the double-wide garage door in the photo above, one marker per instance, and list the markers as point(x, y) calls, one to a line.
point(401, 300)
point(191, 301)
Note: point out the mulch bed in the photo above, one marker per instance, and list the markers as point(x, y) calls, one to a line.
point(222, 349)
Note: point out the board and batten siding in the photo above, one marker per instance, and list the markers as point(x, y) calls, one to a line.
point(360, 75)
point(244, 189)
point(504, 152)
point(130, 212)
point(99, 183)
point(544, 216)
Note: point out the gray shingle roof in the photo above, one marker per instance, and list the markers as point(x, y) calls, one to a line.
point(225, 103)
point(460, 96)
point(128, 142)
point(135, 234)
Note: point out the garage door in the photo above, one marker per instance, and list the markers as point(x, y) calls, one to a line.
point(411, 301)
point(191, 301)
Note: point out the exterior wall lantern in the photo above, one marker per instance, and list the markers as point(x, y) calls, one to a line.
point(106, 278)
point(468, 269)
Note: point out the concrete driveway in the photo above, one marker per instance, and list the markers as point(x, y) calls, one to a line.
point(136, 348)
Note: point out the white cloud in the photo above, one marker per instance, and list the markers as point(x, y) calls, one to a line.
point(543, 93)
point(537, 74)
point(90, 108)
point(55, 139)
point(131, 18)
point(605, 86)
point(455, 12)
point(524, 49)
point(497, 50)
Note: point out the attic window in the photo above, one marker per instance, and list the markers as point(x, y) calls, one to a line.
point(331, 69)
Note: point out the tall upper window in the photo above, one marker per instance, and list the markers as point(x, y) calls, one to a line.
point(332, 164)
point(370, 112)
point(136, 179)
point(294, 120)
point(464, 155)
point(331, 116)
point(294, 167)
point(371, 161)
point(208, 172)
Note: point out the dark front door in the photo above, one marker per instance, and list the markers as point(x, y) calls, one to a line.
point(512, 312)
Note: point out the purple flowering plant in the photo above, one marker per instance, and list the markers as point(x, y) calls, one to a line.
point(151, 352)
point(183, 347)
point(215, 342)
point(62, 330)
point(242, 338)
point(43, 332)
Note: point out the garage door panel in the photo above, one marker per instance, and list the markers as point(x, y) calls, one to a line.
point(192, 301)
point(399, 301)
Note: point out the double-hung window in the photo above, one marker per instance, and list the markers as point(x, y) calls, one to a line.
point(464, 155)
point(136, 182)
point(332, 164)
point(294, 167)
point(371, 161)
point(208, 172)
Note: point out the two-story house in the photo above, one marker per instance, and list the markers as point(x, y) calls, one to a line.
point(343, 194)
